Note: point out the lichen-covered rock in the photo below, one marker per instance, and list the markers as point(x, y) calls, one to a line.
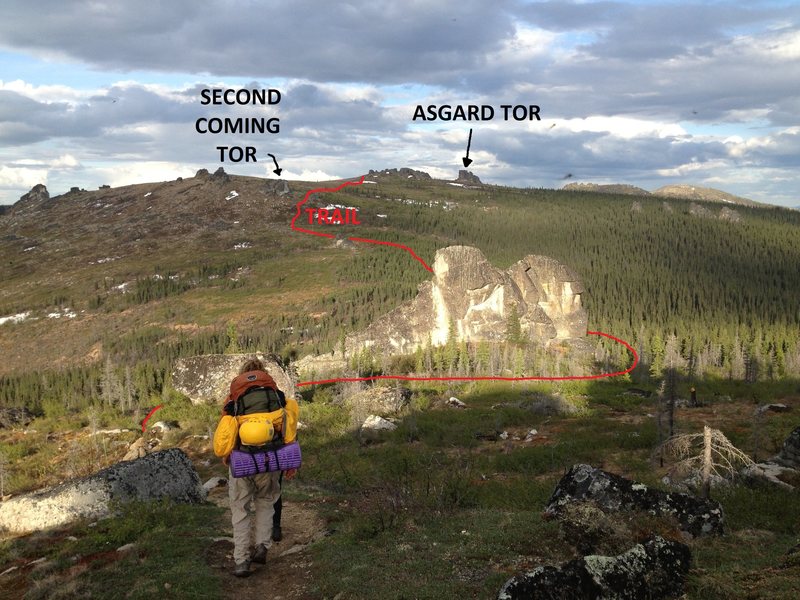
point(614, 493)
point(206, 379)
point(15, 416)
point(654, 569)
point(478, 299)
point(379, 400)
point(165, 474)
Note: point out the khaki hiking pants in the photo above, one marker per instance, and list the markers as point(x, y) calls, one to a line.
point(252, 499)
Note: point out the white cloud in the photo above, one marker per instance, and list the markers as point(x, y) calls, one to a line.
point(309, 175)
point(16, 178)
point(141, 172)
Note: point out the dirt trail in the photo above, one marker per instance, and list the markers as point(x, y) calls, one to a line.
point(286, 576)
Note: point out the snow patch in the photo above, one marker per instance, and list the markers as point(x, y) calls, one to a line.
point(242, 246)
point(332, 206)
point(232, 195)
point(456, 184)
point(17, 318)
point(64, 312)
point(107, 259)
point(148, 194)
point(381, 216)
point(373, 182)
point(29, 249)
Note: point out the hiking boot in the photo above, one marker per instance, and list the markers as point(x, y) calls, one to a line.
point(259, 555)
point(242, 569)
point(277, 534)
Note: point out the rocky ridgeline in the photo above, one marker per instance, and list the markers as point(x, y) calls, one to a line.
point(477, 298)
point(206, 379)
point(403, 172)
point(164, 474)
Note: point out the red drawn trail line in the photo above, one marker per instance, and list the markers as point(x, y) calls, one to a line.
point(570, 378)
point(424, 264)
point(150, 414)
point(352, 239)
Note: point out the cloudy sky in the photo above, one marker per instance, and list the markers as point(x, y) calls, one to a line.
point(643, 92)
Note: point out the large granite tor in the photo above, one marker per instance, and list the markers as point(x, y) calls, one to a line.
point(478, 298)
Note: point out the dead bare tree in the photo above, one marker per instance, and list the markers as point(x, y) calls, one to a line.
point(708, 453)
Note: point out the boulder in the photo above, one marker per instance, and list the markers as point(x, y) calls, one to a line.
point(214, 483)
point(786, 465)
point(138, 449)
point(454, 402)
point(378, 400)
point(655, 569)
point(206, 379)
point(611, 492)
point(765, 408)
point(202, 174)
point(789, 455)
point(165, 474)
point(14, 417)
point(164, 426)
point(374, 427)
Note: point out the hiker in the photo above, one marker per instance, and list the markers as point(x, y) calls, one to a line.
point(256, 419)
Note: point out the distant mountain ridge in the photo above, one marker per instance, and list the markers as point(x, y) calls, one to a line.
point(680, 190)
point(693, 192)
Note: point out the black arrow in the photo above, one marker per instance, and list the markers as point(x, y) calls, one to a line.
point(467, 160)
point(277, 170)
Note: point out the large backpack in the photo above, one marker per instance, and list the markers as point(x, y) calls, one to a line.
point(266, 412)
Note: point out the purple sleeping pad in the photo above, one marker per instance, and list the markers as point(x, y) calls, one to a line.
point(245, 464)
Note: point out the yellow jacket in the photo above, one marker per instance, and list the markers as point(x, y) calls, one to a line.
point(227, 433)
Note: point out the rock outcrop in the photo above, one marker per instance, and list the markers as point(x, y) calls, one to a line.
point(610, 492)
point(655, 569)
point(467, 178)
point(206, 379)
point(477, 299)
point(37, 198)
point(165, 474)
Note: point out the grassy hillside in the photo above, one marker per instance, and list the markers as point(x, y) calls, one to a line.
point(141, 275)
point(435, 510)
point(155, 271)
